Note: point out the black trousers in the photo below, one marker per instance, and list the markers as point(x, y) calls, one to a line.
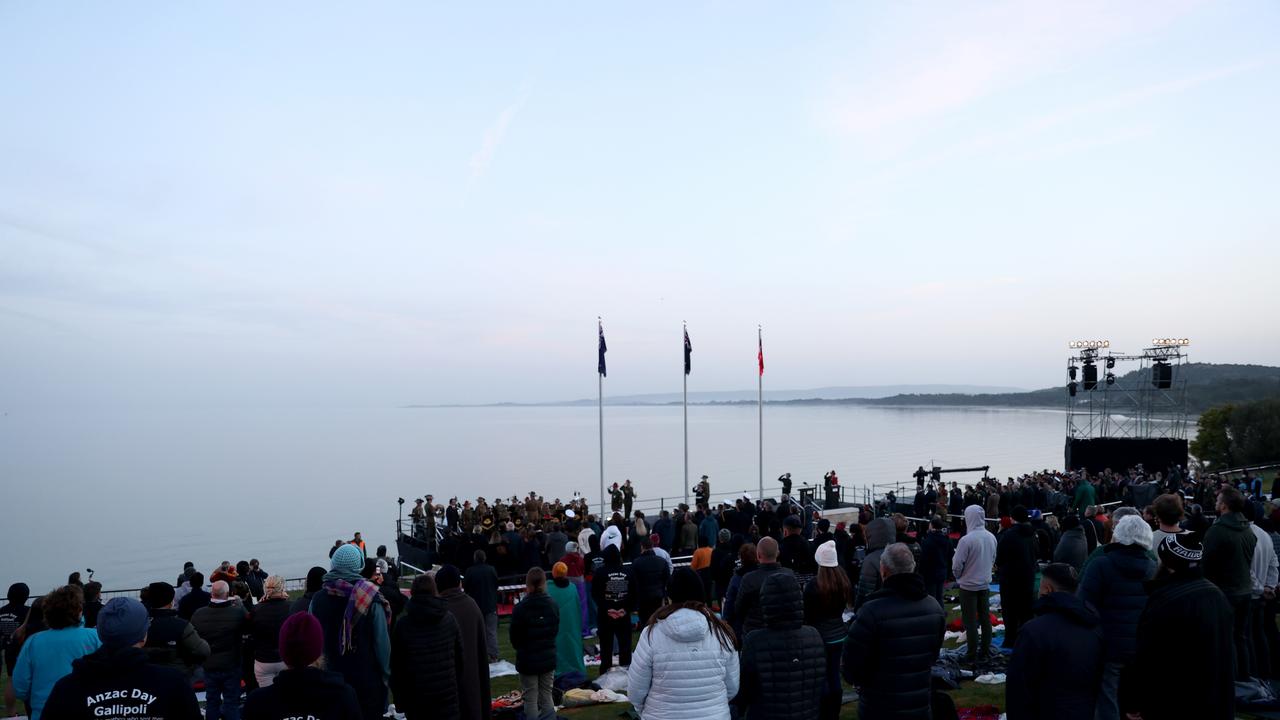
point(611, 629)
point(1242, 613)
point(1016, 599)
point(648, 606)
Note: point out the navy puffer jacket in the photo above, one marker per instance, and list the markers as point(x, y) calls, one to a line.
point(1114, 586)
point(891, 649)
point(784, 663)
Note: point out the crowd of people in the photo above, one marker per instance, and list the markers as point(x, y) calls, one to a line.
point(750, 608)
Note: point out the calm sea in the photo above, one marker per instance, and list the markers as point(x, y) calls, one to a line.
point(133, 495)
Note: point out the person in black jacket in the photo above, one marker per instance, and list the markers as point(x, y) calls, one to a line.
point(746, 611)
point(535, 622)
point(481, 583)
point(172, 641)
point(1016, 559)
point(116, 682)
point(426, 656)
point(613, 588)
point(1056, 667)
point(221, 623)
point(825, 601)
point(652, 574)
point(303, 690)
point(1187, 625)
point(194, 600)
point(264, 626)
point(894, 642)
point(794, 552)
point(935, 557)
point(784, 663)
point(315, 579)
point(1114, 585)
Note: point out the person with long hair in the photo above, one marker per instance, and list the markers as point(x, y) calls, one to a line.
point(685, 666)
point(264, 625)
point(825, 602)
point(46, 656)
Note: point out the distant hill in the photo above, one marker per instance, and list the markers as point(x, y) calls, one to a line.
point(1207, 385)
point(823, 393)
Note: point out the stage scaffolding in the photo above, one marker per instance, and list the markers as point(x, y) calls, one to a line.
point(1126, 402)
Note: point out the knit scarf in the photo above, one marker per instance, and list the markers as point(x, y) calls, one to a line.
point(360, 596)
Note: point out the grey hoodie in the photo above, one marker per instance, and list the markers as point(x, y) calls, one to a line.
point(880, 533)
point(975, 552)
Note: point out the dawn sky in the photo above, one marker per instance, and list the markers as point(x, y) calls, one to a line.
point(324, 203)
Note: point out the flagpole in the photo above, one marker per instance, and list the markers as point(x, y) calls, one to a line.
point(600, 397)
point(760, 405)
point(685, 375)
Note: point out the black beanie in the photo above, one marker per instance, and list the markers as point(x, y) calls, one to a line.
point(686, 586)
point(447, 578)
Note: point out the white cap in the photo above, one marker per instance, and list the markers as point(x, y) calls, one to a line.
point(826, 554)
point(746, 496)
point(569, 513)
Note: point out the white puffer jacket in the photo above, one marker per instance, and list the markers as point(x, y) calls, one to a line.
point(680, 671)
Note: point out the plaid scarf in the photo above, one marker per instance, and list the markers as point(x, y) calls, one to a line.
point(360, 596)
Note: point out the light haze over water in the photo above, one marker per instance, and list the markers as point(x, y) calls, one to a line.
point(134, 494)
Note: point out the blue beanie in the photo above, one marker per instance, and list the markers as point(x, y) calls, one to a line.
point(122, 622)
point(347, 558)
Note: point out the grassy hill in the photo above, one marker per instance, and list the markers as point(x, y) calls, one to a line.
point(1207, 385)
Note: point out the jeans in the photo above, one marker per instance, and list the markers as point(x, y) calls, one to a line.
point(265, 673)
point(610, 630)
point(537, 696)
point(832, 689)
point(491, 634)
point(975, 612)
point(1108, 703)
point(222, 694)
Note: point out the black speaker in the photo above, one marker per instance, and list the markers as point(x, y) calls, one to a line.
point(1162, 376)
point(1090, 376)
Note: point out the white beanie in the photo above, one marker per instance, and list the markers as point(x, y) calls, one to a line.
point(826, 554)
point(1132, 530)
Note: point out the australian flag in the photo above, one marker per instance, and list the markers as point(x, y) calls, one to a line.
point(688, 352)
point(603, 349)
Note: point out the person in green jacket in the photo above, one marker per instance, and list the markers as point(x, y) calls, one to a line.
point(1085, 496)
point(569, 638)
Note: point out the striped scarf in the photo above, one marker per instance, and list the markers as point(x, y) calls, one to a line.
point(360, 597)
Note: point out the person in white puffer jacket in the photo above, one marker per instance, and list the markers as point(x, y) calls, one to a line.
point(685, 666)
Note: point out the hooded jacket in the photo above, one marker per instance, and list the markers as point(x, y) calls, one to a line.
point(1072, 548)
point(426, 660)
point(681, 671)
point(880, 532)
point(535, 623)
point(975, 553)
point(473, 683)
point(784, 663)
point(891, 649)
point(614, 587)
point(303, 692)
point(119, 684)
point(1228, 552)
point(935, 556)
point(1056, 668)
point(1114, 586)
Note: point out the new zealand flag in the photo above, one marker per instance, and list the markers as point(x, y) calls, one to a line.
point(688, 352)
point(603, 349)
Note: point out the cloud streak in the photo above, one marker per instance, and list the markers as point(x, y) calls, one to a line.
point(483, 158)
